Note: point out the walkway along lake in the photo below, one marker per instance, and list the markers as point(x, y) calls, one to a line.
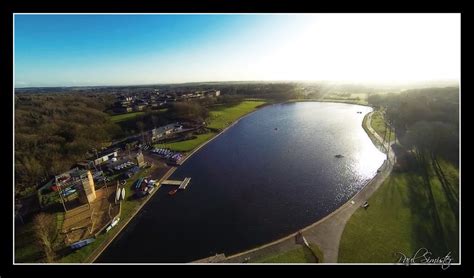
point(271, 174)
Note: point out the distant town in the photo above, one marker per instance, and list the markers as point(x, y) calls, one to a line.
point(156, 99)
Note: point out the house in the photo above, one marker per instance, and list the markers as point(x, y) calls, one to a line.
point(162, 131)
point(213, 93)
point(104, 156)
point(139, 107)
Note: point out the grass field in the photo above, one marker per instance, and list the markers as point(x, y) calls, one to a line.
point(220, 117)
point(378, 125)
point(299, 255)
point(403, 217)
point(188, 145)
point(125, 117)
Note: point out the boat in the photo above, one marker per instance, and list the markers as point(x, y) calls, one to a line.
point(117, 195)
point(276, 128)
point(68, 192)
point(172, 192)
point(116, 220)
point(123, 194)
point(139, 182)
point(81, 243)
point(338, 155)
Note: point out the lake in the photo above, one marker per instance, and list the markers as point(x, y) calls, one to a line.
point(271, 174)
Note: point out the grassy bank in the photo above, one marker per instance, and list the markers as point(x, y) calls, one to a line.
point(220, 117)
point(298, 255)
point(378, 124)
point(402, 217)
point(223, 115)
point(125, 117)
point(188, 145)
point(374, 140)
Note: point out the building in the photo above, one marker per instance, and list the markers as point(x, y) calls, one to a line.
point(76, 180)
point(104, 156)
point(139, 107)
point(140, 159)
point(162, 131)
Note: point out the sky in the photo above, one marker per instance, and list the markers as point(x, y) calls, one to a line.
point(94, 49)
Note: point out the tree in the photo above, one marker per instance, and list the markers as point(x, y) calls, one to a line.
point(44, 228)
point(189, 111)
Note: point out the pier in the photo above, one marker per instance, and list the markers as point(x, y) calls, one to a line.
point(182, 184)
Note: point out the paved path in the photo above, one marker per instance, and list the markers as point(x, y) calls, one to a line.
point(327, 232)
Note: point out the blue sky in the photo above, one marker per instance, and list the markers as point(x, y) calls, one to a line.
point(70, 50)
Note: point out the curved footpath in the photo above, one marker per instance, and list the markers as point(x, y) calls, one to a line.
point(99, 250)
point(327, 232)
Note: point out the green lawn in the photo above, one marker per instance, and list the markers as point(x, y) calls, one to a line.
point(220, 117)
point(188, 145)
point(402, 217)
point(223, 115)
point(299, 255)
point(125, 117)
point(378, 125)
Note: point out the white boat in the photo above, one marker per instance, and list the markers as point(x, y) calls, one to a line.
point(116, 220)
point(117, 195)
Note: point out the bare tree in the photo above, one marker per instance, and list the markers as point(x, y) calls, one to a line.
point(44, 231)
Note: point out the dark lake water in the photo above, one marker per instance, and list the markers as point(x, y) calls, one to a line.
point(254, 184)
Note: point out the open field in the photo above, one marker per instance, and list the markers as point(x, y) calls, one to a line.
point(221, 116)
point(405, 214)
point(188, 145)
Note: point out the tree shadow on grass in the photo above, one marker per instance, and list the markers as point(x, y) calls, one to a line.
point(451, 196)
point(426, 225)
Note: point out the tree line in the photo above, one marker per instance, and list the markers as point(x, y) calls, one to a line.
point(54, 132)
point(425, 120)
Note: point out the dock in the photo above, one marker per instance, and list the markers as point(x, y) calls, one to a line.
point(182, 184)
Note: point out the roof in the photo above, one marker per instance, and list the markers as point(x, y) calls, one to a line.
point(105, 152)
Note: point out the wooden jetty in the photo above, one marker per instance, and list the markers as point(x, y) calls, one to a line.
point(182, 184)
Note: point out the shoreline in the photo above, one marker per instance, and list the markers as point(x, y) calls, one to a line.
point(96, 254)
point(287, 242)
